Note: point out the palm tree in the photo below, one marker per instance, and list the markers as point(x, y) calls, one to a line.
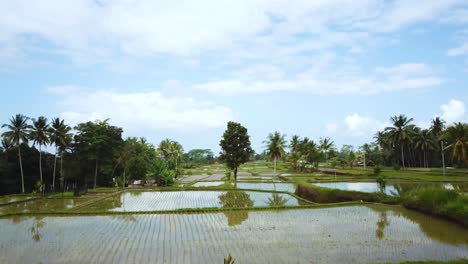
point(40, 136)
point(326, 144)
point(437, 129)
point(171, 150)
point(425, 142)
point(59, 136)
point(457, 135)
point(366, 148)
point(18, 133)
point(399, 133)
point(275, 144)
point(66, 138)
point(294, 143)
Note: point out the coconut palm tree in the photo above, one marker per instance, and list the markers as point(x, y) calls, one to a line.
point(66, 138)
point(437, 129)
point(457, 136)
point(424, 142)
point(171, 151)
point(399, 133)
point(40, 136)
point(275, 144)
point(18, 133)
point(294, 143)
point(60, 137)
point(326, 144)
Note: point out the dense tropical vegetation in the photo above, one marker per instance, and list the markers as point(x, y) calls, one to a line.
point(91, 154)
point(95, 154)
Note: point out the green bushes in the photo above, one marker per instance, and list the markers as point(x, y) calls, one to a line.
point(446, 203)
point(326, 195)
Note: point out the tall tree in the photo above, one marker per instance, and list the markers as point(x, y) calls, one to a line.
point(399, 133)
point(40, 136)
point(424, 142)
point(275, 144)
point(171, 150)
point(326, 144)
point(437, 129)
point(60, 137)
point(235, 146)
point(294, 143)
point(18, 133)
point(457, 136)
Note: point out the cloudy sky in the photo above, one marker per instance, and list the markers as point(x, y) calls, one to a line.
point(182, 69)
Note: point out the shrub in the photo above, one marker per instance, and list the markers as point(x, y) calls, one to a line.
point(396, 167)
point(377, 170)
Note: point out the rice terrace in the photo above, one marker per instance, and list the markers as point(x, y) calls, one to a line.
point(247, 131)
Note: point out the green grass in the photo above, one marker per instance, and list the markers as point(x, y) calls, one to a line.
point(440, 202)
point(62, 195)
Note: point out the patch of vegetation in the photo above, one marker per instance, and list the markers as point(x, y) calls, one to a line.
point(326, 195)
point(440, 202)
point(62, 195)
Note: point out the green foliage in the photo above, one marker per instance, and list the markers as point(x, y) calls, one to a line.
point(377, 170)
point(162, 173)
point(235, 146)
point(441, 202)
point(396, 167)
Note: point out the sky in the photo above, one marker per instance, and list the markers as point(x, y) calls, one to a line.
point(183, 69)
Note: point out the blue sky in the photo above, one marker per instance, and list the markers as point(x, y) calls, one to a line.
point(182, 69)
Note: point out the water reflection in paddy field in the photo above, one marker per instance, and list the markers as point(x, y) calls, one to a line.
point(14, 198)
point(356, 234)
point(207, 184)
point(44, 205)
point(389, 188)
point(282, 187)
point(163, 201)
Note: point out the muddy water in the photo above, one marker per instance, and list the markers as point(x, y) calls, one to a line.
point(353, 234)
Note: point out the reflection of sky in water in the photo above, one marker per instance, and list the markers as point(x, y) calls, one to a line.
point(390, 189)
point(160, 201)
point(368, 187)
point(282, 187)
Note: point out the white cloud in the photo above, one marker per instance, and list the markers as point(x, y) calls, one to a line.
point(359, 125)
point(453, 111)
point(458, 51)
point(98, 31)
point(332, 78)
point(139, 111)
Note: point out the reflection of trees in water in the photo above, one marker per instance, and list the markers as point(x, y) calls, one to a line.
point(236, 199)
point(35, 229)
point(277, 200)
point(381, 224)
point(435, 228)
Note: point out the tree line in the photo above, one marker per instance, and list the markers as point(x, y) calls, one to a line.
point(91, 154)
point(401, 145)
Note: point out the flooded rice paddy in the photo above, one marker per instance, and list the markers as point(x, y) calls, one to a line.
point(389, 188)
point(352, 234)
point(167, 201)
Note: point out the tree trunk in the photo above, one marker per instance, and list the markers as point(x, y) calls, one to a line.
point(55, 168)
point(40, 166)
point(274, 160)
point(402, 156)
point(21, 168)
point(425, 162)
point(123, 184)
point(235, 174)
point(443, 158)
point(62, 177)
point(95, 174)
